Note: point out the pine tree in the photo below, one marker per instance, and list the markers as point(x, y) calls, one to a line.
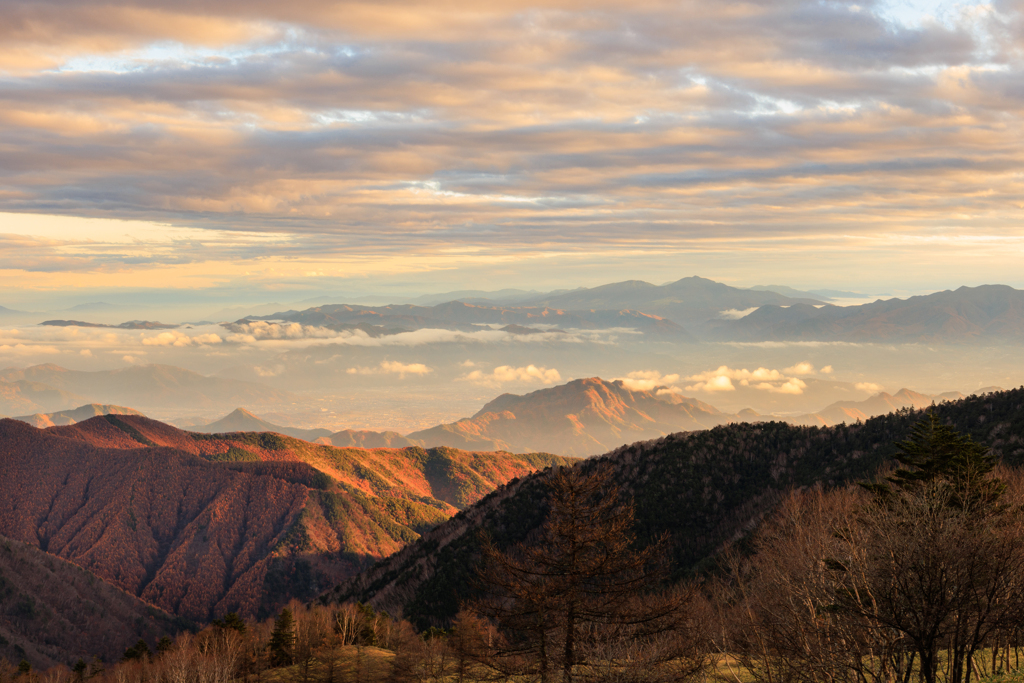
point(937, 454)
point(282, 640)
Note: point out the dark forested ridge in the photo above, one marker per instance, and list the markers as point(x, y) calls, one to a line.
point(704, 488)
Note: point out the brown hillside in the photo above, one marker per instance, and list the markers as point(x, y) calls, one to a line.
point(583, 417)
point(54, 612)
point(204, 524)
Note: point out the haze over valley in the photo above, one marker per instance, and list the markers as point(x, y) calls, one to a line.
point(412, 367)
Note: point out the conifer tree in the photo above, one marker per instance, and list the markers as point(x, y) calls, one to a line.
point(282, 639)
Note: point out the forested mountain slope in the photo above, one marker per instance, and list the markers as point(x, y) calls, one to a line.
point(703, 488)
point(54, 612)
point(205, 524)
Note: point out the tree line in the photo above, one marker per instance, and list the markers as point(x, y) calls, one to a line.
point(916, 576)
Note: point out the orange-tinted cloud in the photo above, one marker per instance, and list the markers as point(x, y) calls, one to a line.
point(509, 128)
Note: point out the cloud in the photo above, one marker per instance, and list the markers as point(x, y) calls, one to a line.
point(27, 350)
point(129, 359)
point(802, 368)
point(175, 338)
point(735, 314)
point(764, 379)
point(87, 353)
point(769, 129)
point(274, 371)
point(647, 380)
point(392, 368)
point(790, 386)
point(506, 373)
point(827, 370)
point(713, 384)
point(257, 330)
point(869, 387)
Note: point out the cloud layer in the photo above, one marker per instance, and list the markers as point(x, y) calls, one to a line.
point(504, 374)
point(400, 130)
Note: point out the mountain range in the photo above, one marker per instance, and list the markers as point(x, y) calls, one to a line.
point(581, 418)
point(241, 420)
point(456, 315)
point(200, 524)
point(702, 489)
point(968, 314)
point(696, 308)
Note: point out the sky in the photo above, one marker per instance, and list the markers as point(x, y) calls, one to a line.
point(260, 150)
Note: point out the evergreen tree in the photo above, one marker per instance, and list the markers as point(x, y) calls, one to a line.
point(231, 620)
point(936, 453)
point(282, 640)
point(139, 650)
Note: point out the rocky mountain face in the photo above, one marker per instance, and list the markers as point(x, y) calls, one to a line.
point(704, 489)
point(583, 417)
point(200, 525)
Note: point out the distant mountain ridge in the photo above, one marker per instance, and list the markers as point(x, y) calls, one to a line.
point(70, 417)
point(696, 308)
point(583, 417)
point(22, 396)
point(130, 325)
point(967, 314)
point(241, 420)
point(466, 317)
point(878, 404)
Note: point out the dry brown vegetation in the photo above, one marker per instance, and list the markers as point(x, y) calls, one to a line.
point(201, 525)
point(52, 611)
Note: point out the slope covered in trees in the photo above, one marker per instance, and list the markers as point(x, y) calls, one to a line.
point(52, 611)
point(205, 524)
point(705, 489)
